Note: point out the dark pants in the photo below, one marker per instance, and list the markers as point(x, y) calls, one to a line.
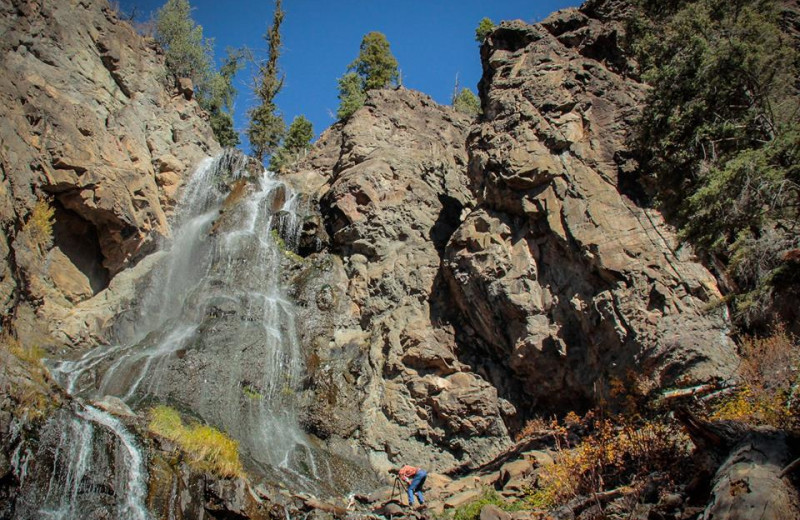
point(416, 487)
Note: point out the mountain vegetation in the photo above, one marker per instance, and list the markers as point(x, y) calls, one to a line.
point(485, 26)
point(374, 68)
point(466, 102)
point(267, 126)
point(720, 137)
point(189, 55)
point(297, 142)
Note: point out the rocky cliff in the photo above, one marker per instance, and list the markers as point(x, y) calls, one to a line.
point(480, 274)
point(560, 273)
point(94, 128)
point(455, 277)
point(385, 365)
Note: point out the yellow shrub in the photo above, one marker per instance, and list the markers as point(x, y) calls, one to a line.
point(757, 407)
point(770, 373)
point(613, 455)
point(39, 226)
point(208, 449)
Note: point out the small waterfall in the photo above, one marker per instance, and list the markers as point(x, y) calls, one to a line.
point(87, 464)
point(215, 334)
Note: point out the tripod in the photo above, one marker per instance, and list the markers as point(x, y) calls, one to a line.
point(403, 486)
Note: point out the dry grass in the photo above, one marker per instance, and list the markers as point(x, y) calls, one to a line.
point(31, 388)
point(208, 449)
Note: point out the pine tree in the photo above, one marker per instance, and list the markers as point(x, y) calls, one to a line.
point(485, 26)
point(374, 68)
point(351, 95)
point(187, 53)
point(220, 100)
point(467, 103)
point(720, 134)
point(298, 141)
point(376, 64)
point(266, 125)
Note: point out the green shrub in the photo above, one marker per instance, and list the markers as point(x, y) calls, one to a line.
point(472, 510)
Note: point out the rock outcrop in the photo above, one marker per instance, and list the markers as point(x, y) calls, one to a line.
point(93, 127)
point(438, 318)
point(384, 365)
point(560, 273)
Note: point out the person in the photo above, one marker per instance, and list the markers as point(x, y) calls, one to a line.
point(415, 478)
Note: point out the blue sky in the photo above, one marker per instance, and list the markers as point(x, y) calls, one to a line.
point(432, 40)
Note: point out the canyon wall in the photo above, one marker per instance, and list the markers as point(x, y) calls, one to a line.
point(93, 126)
point(480, 273)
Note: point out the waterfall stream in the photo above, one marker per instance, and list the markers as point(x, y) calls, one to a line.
point(91, 465)
point(213, 335)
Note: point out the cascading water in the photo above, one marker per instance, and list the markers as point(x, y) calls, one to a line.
point(92, 467)
point(214, 334)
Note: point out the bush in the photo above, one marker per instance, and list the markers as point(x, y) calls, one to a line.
point(770, 374)
point(613, 455)
point(38, 229)
point(208, 449)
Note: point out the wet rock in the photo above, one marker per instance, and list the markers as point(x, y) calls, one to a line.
point(115, 405)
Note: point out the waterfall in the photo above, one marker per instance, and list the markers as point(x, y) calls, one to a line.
point(87, 463)
point(214, 333)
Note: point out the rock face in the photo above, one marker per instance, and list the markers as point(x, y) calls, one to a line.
point(560, 273)
point(384, 365)
point(92, 127)
point(438, 317)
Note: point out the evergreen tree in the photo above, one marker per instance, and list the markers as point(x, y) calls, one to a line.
point(298, 138)
point(220, 100)
point(485, 26)
point(721, 135)
point(467, 103)
point(351, 95)
point(298, 141)
point(374, 68)
point(266, 125)
point(187, 53)
point(375, 64)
